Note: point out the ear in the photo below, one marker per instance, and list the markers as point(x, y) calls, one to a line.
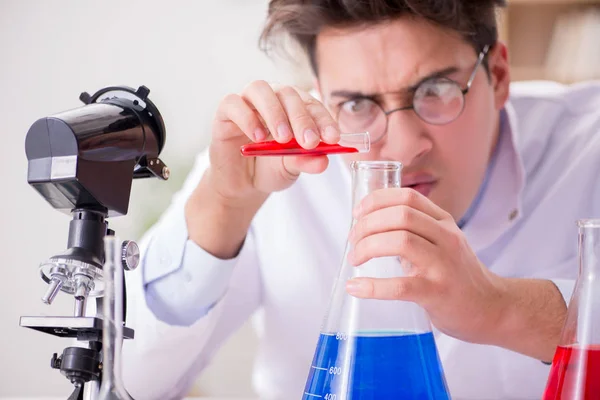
point(499, 73)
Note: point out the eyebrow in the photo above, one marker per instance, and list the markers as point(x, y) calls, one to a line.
point(351, 94)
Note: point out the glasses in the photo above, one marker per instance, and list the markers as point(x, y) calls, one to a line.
point(437, 101)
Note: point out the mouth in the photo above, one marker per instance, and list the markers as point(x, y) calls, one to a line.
point(421, 183)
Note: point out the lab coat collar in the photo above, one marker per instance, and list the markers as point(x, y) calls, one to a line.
point(501, 204)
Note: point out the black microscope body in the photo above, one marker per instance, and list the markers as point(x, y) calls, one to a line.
point(83, 162)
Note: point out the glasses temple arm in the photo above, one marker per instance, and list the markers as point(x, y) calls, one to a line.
point(482, 55)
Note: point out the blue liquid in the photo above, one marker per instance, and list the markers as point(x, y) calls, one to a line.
point(392, 366)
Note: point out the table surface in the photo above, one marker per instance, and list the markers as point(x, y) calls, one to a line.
point(187, 398)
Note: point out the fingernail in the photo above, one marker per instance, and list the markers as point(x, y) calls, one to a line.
point(331, 132)
point(284, 132)
point(310, 136)
point(259, 135)
point(354, 287)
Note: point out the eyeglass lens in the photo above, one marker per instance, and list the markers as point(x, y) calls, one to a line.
point(436, 101)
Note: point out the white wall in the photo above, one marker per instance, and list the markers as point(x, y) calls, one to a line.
point(190, 54)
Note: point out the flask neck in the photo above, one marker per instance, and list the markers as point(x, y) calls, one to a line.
point(369, 176)
point(589, 249)
point(582, 325)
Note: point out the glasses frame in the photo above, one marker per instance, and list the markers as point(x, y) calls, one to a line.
point(482, 54)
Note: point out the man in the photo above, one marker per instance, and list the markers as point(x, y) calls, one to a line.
point(494, 177)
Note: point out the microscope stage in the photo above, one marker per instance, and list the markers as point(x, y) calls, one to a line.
point(83, 328)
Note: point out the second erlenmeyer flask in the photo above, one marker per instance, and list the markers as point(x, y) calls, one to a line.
point(374, 349)
point(575, 372)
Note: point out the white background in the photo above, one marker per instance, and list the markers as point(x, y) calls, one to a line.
point(190, 54)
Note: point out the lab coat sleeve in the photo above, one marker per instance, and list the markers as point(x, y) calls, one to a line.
point(183, 303)
point(181, 281)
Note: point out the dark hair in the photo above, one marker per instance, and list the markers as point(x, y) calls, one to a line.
point(474, 20)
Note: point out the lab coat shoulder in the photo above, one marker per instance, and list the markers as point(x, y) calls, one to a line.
point(579, 97)
point(557, 128)
point(556, 135)
point(545, 108)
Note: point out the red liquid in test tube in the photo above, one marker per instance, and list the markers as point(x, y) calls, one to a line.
point(349, 143)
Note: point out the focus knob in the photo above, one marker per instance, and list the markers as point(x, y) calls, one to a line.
point(130, 255)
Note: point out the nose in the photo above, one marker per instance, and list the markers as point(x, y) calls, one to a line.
point(407, 140)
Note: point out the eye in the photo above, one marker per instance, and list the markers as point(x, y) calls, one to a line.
point(435, 89)
point(358, 106)
point(430, 89)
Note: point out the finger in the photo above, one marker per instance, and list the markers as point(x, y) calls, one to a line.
point(396, 218)
point(404, 244)
point(304, 127)
point(237, 115)
point(267, 169)
point(404, 288)
point(294, 165)
point(399, 196)
point(328, 128)
point(261, 96)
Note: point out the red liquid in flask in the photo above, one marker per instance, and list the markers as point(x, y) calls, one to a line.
point(575, 374)
point(273, 148)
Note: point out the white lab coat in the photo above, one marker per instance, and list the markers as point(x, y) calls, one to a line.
point(544, 179)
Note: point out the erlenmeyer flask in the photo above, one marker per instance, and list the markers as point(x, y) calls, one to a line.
point(575, 372)
point(374, 349)
point(112, 325)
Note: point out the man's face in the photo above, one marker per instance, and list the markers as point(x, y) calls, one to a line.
point(445, 162)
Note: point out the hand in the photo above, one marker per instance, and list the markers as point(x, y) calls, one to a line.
point(233, 188)
point(260, 113)
point(463, 299)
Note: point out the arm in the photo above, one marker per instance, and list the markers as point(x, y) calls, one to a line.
point(207, 209)
point(182, 279)
point(164, 360)
point(194, 288)
point(530, 317)
point(182, 303)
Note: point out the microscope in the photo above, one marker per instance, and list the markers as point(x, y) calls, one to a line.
point(83, 162)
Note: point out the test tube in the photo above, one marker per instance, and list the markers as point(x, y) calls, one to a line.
point(348, 143)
